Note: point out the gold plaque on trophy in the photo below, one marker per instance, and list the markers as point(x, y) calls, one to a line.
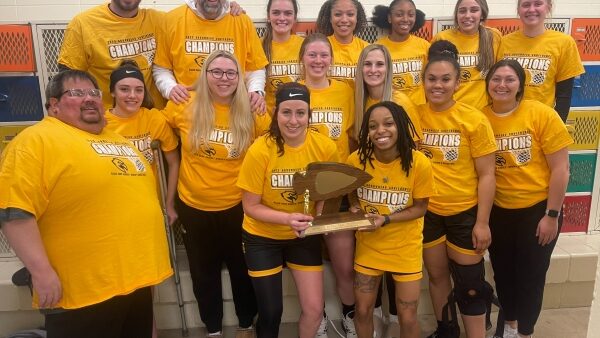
point(326, 181)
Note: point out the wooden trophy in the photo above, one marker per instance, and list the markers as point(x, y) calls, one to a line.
point(330, 181)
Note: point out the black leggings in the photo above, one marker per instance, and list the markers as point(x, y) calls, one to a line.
point(520, 263)
point(269, 290)
point(211, 239)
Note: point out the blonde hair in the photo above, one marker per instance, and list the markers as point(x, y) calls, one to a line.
point(202, 111)
point(361, 91)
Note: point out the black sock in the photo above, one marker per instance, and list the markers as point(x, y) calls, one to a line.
point(348, 310)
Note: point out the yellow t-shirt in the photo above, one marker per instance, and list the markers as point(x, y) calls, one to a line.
point(452, 139)
point(96, 206)
point(284, 67)
point(266, 173)
point(143, 127)
point(405, 102)
point(207, 177)
point(408, 59)
point(547, 59)
point(333, 114)
point(472, 82)
point(97, 40)
point(345, 59)
point(524, 137)
point(189, 39)
point(398, 246)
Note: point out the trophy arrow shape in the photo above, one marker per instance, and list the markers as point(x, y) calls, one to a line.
point(327, 180)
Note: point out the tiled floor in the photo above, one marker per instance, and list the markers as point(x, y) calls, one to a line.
point(555, 323)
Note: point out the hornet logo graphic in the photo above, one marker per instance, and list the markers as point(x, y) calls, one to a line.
point(200, 60)
point(465, 75)
point(120, 165)
point(371, 209)
point(289, 196)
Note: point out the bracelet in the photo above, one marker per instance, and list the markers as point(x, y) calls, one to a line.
point(386, 220)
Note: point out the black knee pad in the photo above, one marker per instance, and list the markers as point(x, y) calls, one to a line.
point(472, 293)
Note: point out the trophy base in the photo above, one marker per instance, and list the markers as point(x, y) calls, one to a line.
point(338, 222)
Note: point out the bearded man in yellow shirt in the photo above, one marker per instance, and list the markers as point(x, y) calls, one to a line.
point(91, 262)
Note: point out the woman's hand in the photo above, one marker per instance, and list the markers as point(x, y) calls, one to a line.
point(547, 230)
point(481, 237)
point(299, 222)
point(377, 221)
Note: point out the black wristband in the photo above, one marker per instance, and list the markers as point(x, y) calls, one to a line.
point(386, 220)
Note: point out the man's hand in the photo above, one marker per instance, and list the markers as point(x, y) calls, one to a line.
point(179, 94)
point(257, 103)
point(48, 288)
point(235, 9)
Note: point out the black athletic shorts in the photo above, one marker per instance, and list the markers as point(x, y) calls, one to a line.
point(455, 230)
point(266, 256)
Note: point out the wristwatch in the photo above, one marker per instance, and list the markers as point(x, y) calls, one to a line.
point(552, 213)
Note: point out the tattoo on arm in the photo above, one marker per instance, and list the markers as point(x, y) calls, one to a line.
point(366, 284)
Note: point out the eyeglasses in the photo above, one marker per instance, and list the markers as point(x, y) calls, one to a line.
point(218, 73)
point(78, 92)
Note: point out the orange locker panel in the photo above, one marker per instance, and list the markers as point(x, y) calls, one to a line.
point(16, 49)
point(586, 33)
point(426, 32)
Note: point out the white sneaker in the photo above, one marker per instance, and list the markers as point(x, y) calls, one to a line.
point(378, 322)
point(322, 331)
point(348, 326)
point(509, 332)
point(393, 328)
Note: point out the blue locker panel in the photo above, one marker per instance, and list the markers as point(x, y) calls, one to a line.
point(20, 99)
point(586, 90)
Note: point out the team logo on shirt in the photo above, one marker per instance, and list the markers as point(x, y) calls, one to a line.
point(536, 65)
point(445, 142)
point(373, 196)
point(514, 150)
point(283, 179)
point(467, 63)
point(330, 117)
point(132, 47)
point(120, 155)
point(404, 67)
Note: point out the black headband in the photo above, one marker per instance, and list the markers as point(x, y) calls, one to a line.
point(286, 93)
point(125, 72)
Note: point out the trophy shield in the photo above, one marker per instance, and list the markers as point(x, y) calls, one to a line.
point(323, 181)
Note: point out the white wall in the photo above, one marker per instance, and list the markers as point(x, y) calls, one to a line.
point(61, 10)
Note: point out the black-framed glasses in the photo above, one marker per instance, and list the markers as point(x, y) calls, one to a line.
point(78, 92)
point(218, 73)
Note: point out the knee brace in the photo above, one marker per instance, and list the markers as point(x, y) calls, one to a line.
point(471, 292)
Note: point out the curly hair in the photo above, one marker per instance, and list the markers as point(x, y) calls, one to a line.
point(381, 13)
point(324, 18)
point(404, 144)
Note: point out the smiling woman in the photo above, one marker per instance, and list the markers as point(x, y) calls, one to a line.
point(216, 129)
point(273, 221)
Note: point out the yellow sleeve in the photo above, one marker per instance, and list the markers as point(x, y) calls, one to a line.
point(569, 64)
point(482, 138)
point(411, 110)
point(262, 123)
point(252, 173)
point(551, 130)
point(163, 132)
point(21, 180)
point(162, 55)
point(72, 52)
point(256, 58)
point(173, 112)
point(424, 184)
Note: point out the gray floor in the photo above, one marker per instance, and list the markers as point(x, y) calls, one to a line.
point(556, 323)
